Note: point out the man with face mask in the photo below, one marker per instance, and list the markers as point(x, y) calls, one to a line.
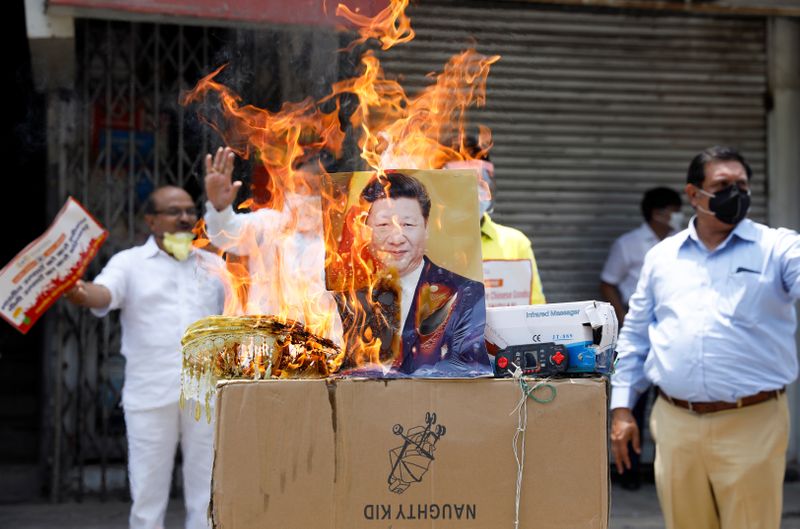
point(160, 288)
point(285, 248)
point(662, 217)
point(712, 325)
point(507, 252)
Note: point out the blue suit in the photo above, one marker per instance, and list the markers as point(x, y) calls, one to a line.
point(445, 324)
point(442, 334)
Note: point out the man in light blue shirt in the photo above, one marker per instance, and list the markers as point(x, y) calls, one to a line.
point(712, 324)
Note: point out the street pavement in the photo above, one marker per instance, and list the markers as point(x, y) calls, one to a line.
point(629, 510)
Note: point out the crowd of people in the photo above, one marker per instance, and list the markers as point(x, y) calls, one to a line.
point(706, 309)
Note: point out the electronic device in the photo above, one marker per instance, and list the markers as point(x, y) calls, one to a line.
point(552, 339)
point(541, 359)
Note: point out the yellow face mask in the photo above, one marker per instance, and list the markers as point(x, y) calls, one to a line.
point(179, 244)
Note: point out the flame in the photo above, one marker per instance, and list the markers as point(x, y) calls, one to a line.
point(279, 140)
point(396, 130)
point(399, 131)
point(357, 275)
point(391, 26)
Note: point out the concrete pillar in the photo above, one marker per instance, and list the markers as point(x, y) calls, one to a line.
point(51, 41)
point(784, 155)
point(52, 44)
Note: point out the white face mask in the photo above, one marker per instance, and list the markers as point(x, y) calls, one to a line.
point(677, 221)
point(485, 206)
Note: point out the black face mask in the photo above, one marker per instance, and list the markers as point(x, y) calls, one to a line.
point(729, 205)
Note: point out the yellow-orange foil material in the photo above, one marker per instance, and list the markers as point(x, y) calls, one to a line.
point(249, 348)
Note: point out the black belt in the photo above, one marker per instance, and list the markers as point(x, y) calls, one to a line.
point(711, 407)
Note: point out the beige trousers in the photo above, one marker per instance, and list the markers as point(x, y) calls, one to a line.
point(721, 470)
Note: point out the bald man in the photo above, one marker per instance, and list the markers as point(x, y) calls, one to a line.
point(160, 288)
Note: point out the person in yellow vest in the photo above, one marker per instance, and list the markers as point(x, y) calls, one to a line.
point(510, 273)
point(502, 243)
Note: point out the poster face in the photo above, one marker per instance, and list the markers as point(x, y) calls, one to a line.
point(404, 259)
point(507, 282)
point(49, 266)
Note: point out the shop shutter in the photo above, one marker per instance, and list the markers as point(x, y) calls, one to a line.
point(590, 108)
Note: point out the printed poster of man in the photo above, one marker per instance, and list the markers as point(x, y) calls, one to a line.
point(404, 259)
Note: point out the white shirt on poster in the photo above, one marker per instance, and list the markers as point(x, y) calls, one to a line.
point(625, 259)
point(408, 284)
point(158, 298)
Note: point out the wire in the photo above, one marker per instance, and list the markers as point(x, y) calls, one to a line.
point(518, 443)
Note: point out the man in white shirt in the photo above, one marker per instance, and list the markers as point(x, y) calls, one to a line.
point(285, 247)
point(160, 288)
point(662, 217)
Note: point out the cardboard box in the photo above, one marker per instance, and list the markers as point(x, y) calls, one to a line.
point(350, 454)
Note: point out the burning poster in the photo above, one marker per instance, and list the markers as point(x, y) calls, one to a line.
point(49, 266)
point(404, 258)
point(355, 297)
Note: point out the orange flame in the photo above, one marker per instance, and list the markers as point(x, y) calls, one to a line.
point(279, 140)
point(391, 26)
point(421, 132)
point(399, 131)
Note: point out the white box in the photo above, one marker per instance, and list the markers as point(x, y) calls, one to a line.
point(588, 329)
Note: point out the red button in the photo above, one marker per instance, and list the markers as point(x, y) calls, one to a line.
point(558, 358)
point(502, 362)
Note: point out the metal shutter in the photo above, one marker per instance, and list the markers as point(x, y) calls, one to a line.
point(589, 108)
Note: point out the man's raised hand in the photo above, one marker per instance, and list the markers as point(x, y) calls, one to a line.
point(221, 190)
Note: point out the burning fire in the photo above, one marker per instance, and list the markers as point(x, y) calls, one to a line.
point(396, 131)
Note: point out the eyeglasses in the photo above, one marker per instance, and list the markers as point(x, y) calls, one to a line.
point(177, 212)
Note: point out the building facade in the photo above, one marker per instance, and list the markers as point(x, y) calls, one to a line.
point(589, 105)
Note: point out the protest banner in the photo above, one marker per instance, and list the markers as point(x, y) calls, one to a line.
point(507, 282)
point(49, 266)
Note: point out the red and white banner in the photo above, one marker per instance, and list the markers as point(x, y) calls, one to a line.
point(49, 266)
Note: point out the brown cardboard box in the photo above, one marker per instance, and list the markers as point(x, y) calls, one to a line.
point(316, 454)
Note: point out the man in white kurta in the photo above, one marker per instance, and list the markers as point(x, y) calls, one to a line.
point(160, 288)
point(285, 248)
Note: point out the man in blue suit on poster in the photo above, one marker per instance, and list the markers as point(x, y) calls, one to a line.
point(441, 314)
